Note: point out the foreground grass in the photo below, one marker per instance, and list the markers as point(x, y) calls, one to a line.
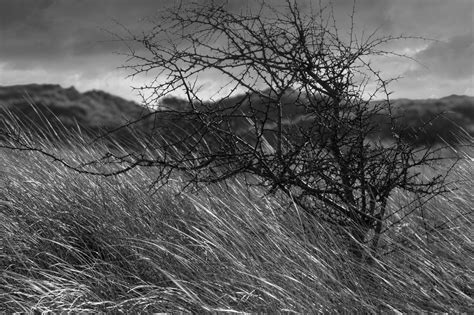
point(71, 242)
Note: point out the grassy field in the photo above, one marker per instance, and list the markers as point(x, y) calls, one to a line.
point(72, 242)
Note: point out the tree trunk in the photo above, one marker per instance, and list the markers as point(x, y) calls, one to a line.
point(356, 242)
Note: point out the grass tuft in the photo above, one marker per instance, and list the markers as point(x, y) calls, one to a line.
point(77, 243)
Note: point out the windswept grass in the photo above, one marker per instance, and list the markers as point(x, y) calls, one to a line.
point(72, 242)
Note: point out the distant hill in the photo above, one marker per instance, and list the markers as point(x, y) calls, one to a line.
point(90, 109)
point(98, 110)
point(42, 106)
point(440, 118)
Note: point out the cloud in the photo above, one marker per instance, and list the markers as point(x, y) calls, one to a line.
point(14, 14)
point(111, 80)
point(429, 87)
point(64, 39)
point(453, 59)
point(48, 29)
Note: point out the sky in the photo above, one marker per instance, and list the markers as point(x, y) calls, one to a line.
point(71, 42)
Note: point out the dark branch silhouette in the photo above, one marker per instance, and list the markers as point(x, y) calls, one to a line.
point(293, 109)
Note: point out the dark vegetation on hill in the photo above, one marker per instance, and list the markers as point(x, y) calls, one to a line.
point(50, 107)
point(435, 120)
point(90, 109)
point(95, 112)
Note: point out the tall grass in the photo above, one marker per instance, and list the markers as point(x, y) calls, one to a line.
point(72, 242)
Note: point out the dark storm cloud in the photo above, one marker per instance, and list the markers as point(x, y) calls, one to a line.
point(41, 31)
point(23, 12)
point(58, 40)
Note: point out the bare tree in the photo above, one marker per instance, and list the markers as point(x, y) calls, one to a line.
point(294, 109)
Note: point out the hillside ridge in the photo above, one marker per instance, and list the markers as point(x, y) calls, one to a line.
point(98, 109)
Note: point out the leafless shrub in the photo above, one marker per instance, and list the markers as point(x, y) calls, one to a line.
point(293, 110)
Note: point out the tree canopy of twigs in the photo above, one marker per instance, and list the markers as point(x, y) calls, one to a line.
point(293, 107)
